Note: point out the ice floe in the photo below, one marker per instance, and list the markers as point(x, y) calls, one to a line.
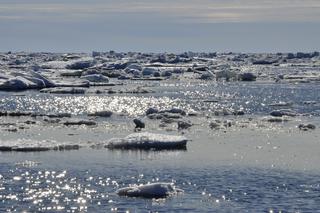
point(152, 190)
point(145, 140)
point(22, 145)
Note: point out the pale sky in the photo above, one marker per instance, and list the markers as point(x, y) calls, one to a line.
point(157, 26)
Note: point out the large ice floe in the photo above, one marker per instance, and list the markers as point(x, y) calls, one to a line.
point(15, 81)
point(147, 141)
point(153, 190)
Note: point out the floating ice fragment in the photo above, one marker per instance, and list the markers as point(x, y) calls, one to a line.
point(96, 78)
point(283, 112)
point(79, 122)
point(154, 190)
point(101, 113)
point(145, 140)
point(81, 64)
point(35, 146)
point(281, 104)
point(64, 90)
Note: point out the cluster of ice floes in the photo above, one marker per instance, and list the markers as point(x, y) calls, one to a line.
point(21, 71)
point(36, 146)
point(147, 141)
point(152, 190)
point(131, 74)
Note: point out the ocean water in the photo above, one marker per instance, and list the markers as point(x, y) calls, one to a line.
point(254, 98)
point(261, 169)
point(86, 180)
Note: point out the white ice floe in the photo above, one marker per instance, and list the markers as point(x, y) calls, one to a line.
point(15, 81)
point(54, 64)
point(96, 78)
point(23, 145)
point(225, 73)
point(64, 90)
point(153, 190)
point(81, 63)
point(281, 104)
point(145, 140)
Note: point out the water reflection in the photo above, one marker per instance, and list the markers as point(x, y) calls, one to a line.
point(252, 98)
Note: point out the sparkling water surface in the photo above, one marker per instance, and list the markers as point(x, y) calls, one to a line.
point(253, 98)
point(86, 179)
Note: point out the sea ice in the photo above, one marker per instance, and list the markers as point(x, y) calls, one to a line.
point(64, 90)
point(153, 190)
point(106, 113)
point(81, 64)
point(96, 78)
point(145, 140)
point(23, 145)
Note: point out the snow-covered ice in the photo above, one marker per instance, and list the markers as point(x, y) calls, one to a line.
point(146, 140)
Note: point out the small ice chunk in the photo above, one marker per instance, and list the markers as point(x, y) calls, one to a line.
point(81, 64)
point(283, 112)
point(153, 190)
point(276, 119)
point(281, 104)
point(96, 78)
point(64, 90)
point(101, 113)
point(74, 122)
point(23, 145)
